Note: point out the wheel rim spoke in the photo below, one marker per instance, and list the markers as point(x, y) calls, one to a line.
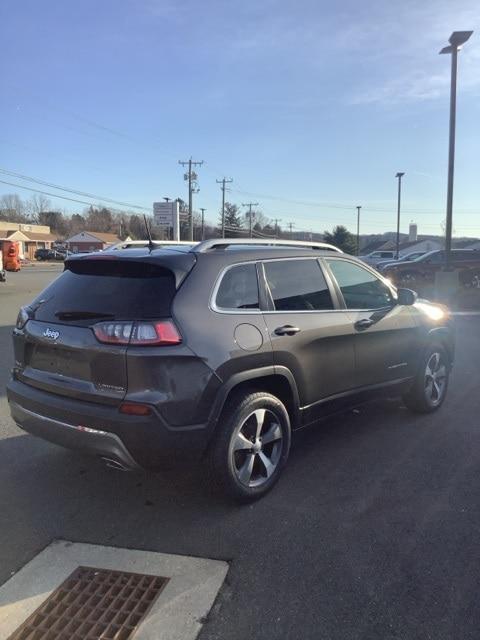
point(245, 471)
point(241, 442)
point(260, 418)
point(429, 388)
point(267, 464)
point(434, 362)
point(437, 389)
point(273, 434)
point(441, 372)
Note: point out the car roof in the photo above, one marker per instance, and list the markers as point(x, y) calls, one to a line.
point(244, 253)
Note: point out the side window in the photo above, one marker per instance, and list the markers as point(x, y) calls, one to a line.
point(360, 288)
point(298, 285)
point(436, 258)
point(238, 288)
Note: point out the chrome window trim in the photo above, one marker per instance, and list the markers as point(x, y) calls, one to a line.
point(213, 297)
point(316, 258)
point(225, 310)
point(367, 268)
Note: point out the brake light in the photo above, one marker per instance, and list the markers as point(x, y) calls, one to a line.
point(157, 333)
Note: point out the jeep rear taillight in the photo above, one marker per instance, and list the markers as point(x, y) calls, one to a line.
point(155, 332)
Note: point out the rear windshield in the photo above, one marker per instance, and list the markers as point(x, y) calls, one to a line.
point(120, 290)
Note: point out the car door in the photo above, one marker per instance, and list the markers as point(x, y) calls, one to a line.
point(386, 333)
point(311, 335)
point(467, 263)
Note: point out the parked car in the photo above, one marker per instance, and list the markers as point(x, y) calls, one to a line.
point(217, 353)
point(408, 257)
point(375, 257)
point(423, 269)
point(51, 254)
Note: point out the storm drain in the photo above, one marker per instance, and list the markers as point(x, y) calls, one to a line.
point(93, 604)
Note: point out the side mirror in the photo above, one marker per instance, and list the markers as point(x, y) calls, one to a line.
point(406, 297)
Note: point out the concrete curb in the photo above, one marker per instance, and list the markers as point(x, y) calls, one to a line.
point(178, 614)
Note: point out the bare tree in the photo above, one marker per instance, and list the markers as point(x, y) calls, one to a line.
point(12, 208)
point(37, 205)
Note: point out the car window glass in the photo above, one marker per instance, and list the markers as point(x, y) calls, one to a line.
point(462, 256)
point(436, 258)
point(239, 288)
point(360, 288)
point(298, 285)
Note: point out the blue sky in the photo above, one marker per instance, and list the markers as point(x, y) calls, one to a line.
point(310, 106)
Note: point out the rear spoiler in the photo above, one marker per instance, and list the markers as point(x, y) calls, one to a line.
point(135, 263)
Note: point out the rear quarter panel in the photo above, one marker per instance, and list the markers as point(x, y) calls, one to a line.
point(226, 342)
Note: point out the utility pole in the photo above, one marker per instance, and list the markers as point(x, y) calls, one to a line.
point(290, 226)
point(358, 229)
point(223, 182)
point(277, 220)
point(191, 176)
point(250, 205)
point(203, 223)
point(399, 176)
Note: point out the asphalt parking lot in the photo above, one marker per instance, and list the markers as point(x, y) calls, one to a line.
point(371, 533)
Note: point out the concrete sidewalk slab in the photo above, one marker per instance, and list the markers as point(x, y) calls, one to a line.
point(178, 613)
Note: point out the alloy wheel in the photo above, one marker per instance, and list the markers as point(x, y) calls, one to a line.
point(257, 447)
point(435, 379)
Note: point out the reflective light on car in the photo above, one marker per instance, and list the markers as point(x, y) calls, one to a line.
point(432, 311)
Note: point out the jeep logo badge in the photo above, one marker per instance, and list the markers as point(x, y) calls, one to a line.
point(52, 335)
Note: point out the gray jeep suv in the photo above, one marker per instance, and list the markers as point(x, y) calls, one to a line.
point(153, 357)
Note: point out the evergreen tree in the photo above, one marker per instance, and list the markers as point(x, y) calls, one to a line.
point(233, 217)
point(342, 238)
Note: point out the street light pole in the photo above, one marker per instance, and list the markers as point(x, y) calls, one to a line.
point(399, 176)
point(457, 39)
point(358, 229)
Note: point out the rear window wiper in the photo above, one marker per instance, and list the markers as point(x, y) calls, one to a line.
point(83, 315)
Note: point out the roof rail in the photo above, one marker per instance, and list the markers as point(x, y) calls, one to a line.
point(221, 243)
point(126, 244)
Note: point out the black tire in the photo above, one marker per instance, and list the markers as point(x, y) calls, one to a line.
point(428, 391)
point(239, 426)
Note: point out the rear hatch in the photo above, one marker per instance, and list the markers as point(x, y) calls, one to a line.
point(57, 349)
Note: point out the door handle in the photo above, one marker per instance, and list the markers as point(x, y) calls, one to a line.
point(286, 330)
point(363, 324)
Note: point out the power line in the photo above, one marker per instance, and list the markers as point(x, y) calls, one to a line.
point(191, 176)
point(70, 190)
point(339, 205)
point(223, 182)
point(45, 193)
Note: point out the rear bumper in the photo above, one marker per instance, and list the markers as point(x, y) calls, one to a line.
point(101, 430)
point(92, 441)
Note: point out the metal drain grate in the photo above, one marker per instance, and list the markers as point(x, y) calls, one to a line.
point(93, 604)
